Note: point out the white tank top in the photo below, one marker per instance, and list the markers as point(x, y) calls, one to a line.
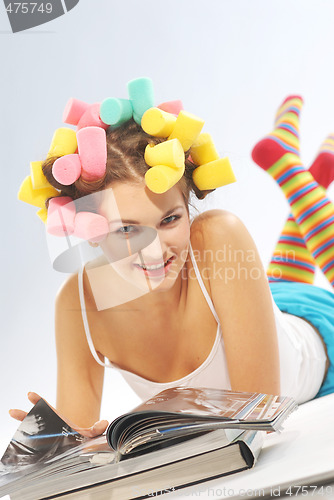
point(204, 376)
point(302, 356)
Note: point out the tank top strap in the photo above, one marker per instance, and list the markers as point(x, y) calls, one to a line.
point(85, 321)
point(201, 284)
point(84, 312)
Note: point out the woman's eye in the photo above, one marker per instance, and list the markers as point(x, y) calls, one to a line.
point(126, 230)
point(170, 218)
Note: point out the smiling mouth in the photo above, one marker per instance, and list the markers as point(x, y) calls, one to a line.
point(156, 267)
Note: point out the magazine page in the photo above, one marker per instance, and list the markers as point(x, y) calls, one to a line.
point(216, 402)
point(41, 440)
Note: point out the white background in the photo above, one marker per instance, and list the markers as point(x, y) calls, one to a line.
point(231, 63)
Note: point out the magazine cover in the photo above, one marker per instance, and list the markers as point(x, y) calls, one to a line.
point(167, 207)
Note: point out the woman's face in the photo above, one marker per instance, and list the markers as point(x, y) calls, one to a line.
point(149, 234)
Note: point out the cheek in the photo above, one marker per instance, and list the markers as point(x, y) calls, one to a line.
point(180, 237)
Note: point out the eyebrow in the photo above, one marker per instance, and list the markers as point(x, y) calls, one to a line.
point(130, 221)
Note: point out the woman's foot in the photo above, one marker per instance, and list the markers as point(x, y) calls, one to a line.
point(285, 136)
point(322, 168)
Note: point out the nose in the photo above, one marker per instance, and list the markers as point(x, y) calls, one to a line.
point(155, 252)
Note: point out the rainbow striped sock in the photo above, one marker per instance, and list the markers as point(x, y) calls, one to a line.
point(285, 136)
point(312, 210)
point(322, 168)
point(291, 260)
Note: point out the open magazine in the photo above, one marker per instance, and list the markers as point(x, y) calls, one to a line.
point(183, 411)
point(179, 437)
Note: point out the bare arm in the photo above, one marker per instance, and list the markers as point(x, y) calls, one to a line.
point(79, 376)
point(241, 296)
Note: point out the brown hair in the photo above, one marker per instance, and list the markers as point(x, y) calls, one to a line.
point(125, 162)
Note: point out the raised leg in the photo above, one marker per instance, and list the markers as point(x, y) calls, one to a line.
point(291, 260)
point(278, 154)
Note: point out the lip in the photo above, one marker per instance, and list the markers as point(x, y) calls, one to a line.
point(157, 273)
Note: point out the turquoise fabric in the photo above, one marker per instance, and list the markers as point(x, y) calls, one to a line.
point(317, 306)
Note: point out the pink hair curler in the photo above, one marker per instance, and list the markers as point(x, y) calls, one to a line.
point(74, 110)
point(173, 107)
point(92, 149)
point(67, 169)
point(90, 227)
point(61, 215)
point(91, 118)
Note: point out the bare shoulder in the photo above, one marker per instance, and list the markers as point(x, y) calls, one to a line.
point(214, 227)
point(224, 244)
point(68, 293)
point(69, 325)
point(68, 310)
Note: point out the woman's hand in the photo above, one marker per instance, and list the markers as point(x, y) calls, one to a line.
point(95, 430)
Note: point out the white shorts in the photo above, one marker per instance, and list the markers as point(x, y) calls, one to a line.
point(302, 357)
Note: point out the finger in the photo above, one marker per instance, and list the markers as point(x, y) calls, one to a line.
point(96, 430)
point(17, 414)
point(100, 426)
point(33, 397)
point(90, 433)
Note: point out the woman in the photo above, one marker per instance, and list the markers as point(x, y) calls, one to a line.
point(171, 292)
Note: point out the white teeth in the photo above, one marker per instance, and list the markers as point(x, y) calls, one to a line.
point(152, 268)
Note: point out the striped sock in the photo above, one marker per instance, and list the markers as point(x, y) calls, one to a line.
point(291, 260)
point(312, 210)
point(285, 136)
point(322, 168)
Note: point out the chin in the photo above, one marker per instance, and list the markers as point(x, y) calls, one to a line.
point(171, 276)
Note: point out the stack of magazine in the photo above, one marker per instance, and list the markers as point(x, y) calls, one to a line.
point(180, 437)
